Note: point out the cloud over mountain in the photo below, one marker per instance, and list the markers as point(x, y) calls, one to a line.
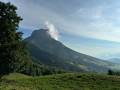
point(52, 31)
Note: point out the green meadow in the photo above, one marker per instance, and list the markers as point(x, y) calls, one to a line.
point(67, 81)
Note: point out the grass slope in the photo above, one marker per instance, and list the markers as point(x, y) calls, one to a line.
point(68, 81)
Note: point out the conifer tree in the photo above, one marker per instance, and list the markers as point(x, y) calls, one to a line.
point(110, 72)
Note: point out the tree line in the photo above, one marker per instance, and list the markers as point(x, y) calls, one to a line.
point(111, 72)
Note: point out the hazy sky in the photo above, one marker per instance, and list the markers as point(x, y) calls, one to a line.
point(87, 26)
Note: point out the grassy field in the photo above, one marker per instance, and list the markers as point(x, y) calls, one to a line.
point(68, 81)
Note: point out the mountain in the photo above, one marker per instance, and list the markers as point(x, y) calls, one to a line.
point(40, 69)
point(115, 60)
point(52, 60)
point(42, 40)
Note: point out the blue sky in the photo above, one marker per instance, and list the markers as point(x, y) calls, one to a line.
point(87, 26)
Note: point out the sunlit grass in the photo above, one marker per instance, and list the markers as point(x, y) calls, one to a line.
point(16, 76)
point(68, 81)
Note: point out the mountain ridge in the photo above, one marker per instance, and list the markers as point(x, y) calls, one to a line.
point(43, 40)
point(115, 60)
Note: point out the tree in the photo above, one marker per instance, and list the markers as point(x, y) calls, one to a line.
point(110, 72)
point(14, 53)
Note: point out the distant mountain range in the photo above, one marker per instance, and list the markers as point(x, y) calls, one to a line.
point(54, 53)
point(115, 60)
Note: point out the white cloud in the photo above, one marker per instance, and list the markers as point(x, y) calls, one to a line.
point(98, 22)
point(94, 24)
point(88, 22)
point(5, 1)
point(52, 30)
point(81, 10)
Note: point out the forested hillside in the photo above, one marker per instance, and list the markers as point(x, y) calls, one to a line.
point(53, 60)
